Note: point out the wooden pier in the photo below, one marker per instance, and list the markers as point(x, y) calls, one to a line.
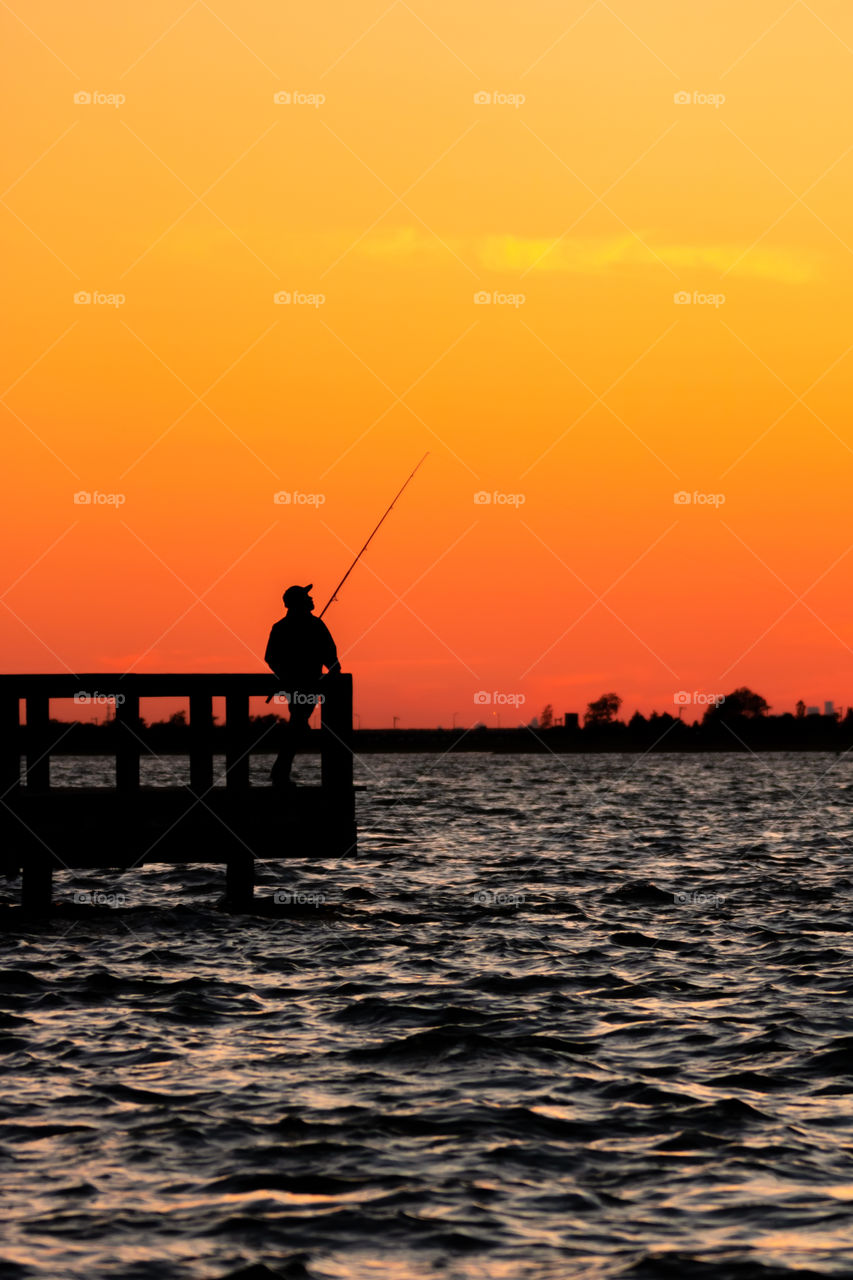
point(44, 828)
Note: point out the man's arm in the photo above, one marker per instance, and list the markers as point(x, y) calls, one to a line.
point(330, 653)
point(271, 654)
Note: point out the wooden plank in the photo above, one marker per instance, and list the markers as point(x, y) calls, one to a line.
point(147, 685)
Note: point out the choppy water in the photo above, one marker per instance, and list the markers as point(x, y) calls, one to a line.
point(586, 1016)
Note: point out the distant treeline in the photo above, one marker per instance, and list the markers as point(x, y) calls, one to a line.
point(721, 729)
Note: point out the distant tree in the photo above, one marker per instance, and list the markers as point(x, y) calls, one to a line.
point(179, 718)
point(741, 702)
point(662, 720)
point(637, 722)
point(546, 718)
point(603, 711)
point(801, 709)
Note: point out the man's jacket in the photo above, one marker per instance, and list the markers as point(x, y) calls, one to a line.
point(300, 645)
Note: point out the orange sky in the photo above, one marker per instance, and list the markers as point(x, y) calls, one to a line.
point(396, 200)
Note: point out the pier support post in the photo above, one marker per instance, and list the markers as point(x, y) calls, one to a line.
point(240, 881)
point(37, 883)
point(127, 743)
point(336, 747)
point(38, 742)
point(201, 742)
point(10, 743)
point(237, 740)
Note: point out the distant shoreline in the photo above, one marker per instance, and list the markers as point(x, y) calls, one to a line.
point(663, 734)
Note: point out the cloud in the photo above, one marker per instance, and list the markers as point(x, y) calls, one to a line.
point(599, 256)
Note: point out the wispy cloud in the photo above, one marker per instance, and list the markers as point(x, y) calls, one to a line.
point(595, 256)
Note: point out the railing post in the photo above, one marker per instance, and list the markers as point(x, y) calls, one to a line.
point(201, 742)
point(127, 742)
point(336, 760)
point(38, 742)
point(10, 743)
point(237, 740)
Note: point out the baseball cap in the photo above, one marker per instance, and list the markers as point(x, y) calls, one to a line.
point(292, 594)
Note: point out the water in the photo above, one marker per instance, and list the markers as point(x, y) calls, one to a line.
point(578, 1016)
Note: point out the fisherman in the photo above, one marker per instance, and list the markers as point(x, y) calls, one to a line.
point(300, 645)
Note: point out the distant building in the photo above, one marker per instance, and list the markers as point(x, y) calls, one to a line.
point(570, 720)
point(812, 711)
point(829, 708)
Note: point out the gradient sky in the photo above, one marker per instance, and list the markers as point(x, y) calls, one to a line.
point(398, 199)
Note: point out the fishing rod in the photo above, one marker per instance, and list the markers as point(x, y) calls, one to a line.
point(388, 510)
point(334, 594)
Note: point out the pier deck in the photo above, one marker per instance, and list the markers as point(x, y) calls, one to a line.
point(44, 828)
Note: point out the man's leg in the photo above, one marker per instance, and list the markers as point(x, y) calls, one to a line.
point(294, 737)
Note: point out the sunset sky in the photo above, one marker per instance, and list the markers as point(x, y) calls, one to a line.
point(582, 197)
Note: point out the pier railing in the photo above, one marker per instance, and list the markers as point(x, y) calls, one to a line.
point(35, 740)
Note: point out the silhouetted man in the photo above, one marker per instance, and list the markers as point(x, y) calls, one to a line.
point(300, 645)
